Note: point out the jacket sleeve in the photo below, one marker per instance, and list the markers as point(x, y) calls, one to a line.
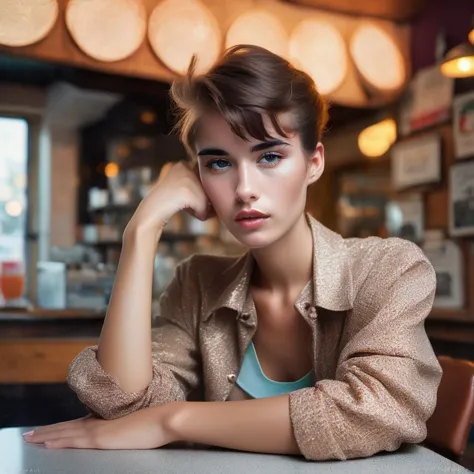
point(176, 359)
point(387, 375)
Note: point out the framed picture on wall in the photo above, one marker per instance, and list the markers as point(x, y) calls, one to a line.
point(461, 199)
point(463, 126)
point(416, 162)
point(447, 261)
point(431, 99)
point(405, 218)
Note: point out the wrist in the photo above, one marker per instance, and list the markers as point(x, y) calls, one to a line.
point(177, 420)
point(140, 232)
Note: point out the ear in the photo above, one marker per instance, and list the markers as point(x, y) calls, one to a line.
point(316, 165)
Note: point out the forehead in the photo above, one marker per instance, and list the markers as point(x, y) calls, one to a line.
point(213, 130)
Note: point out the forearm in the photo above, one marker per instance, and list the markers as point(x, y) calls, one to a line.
point(125, 343)
point(261, 425)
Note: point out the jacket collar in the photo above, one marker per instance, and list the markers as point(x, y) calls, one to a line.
point(331, 288)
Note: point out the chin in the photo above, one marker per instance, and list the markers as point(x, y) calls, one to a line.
point(254, 243)
point(255, 240)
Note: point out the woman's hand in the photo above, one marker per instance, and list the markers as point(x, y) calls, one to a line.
point(179, 189)
point(144, 429)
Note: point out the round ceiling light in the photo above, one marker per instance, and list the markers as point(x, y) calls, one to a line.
point(318, 49)
point(107, 30)
point(24, 23)
point(259, 28)
point(375, 140)
point(377, 58)
point(179, 29)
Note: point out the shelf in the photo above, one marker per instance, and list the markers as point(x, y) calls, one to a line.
point(168, 237)
point(42, 314)
point(113, 208)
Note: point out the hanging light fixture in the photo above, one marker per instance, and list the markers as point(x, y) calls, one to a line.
point(375, 140)
point(318, 48)
point(377, 57)
point(260, 28)
point(179, 29)
point(107, 30)
point(24, 23)
point(459, 61)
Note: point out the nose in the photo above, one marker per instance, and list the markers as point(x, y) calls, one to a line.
point(247, 186)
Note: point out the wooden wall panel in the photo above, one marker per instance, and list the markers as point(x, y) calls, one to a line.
point(38, 360)
point(398, 10)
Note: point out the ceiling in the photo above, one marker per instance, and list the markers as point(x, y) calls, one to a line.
point(454, 15)
point(395, 10)
point(21, 70)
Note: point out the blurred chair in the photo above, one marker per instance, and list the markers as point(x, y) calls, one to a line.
point(448, 428)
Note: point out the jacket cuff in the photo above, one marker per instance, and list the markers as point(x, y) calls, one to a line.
point(102, 394)
point(310, 420)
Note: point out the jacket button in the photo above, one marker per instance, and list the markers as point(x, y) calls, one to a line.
point(245, 316)
point(231, 378)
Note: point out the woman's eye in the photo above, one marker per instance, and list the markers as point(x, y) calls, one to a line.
point(218, 164)
point(270, 158)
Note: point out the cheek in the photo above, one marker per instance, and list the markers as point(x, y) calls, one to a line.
point(217, 190)
point(291, 181)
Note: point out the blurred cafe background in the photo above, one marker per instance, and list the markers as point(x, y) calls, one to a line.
point(86, 129)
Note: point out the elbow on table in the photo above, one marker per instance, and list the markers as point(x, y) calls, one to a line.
point(409, 430)
point(98, 390)
point(372, 437)
point(102, 394)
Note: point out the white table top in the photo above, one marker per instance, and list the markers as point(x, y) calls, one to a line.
point(18, 457)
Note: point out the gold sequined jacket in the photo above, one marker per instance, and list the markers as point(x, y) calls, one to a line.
point(375, 370)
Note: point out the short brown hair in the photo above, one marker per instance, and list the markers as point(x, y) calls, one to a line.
point(246, 84)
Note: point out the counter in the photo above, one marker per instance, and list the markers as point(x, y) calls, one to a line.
point(37, 346)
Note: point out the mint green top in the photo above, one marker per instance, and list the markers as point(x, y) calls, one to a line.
point(253, 381)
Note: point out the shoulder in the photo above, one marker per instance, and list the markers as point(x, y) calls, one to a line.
point(359, 257)
point(381, 265)
point(375, 251)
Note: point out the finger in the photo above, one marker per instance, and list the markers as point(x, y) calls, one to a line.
point(164, 171)
point(201, 207)
point(195, 169)
point(207, 213)
point(32, 436)
point(50, 435)
point(211, 211)
point(197, 207)
point(198, 212)
point(57, 426)
point(75, 442)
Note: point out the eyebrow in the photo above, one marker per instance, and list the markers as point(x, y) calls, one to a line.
point(259, 147)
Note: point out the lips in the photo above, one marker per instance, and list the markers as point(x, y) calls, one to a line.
point(250, 214)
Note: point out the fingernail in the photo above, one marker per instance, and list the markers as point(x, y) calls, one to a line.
point(47, 444)
point(29, 433)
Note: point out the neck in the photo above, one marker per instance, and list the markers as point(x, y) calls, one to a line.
point(287, 263)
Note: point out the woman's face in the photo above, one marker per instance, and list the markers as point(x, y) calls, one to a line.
point(258, 189)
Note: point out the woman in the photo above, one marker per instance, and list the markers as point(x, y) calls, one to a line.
point(339, 365)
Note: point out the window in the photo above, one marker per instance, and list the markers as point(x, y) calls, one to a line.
point(13, 186)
